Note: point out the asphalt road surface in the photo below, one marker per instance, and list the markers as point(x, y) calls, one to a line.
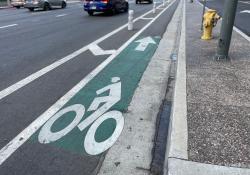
point(45, 58)
point(242, 20)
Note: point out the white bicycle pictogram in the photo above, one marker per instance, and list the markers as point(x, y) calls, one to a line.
point(99, 115)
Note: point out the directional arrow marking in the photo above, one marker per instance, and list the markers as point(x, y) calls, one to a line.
point(245, 11)
point(144, 43)
point(96, 50)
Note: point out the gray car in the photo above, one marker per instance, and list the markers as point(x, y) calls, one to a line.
point(44, 4)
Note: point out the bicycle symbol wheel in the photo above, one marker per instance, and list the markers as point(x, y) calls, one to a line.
point(91, 146)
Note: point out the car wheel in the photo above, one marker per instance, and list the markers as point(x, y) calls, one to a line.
point(46, 7)
point(64, 4)
point(136, 1)
point(126, 7)
point(18, 7)
point(91, 13)
point(31, 9)
point(150, 2)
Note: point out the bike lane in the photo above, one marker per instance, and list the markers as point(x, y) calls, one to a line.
point(70, 136)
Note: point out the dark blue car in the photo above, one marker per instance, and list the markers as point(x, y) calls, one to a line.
point(109, 6)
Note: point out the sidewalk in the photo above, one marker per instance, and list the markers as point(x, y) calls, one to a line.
point(217, 105)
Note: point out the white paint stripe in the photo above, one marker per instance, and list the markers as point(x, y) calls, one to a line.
point(235, 28)
point(241, 33)
point(245, 11)
point(245, 2)
point(22, 137)
point(11, 25)
point(147, 18)
point(61, 15)
point(96, 50)
point(9, 90)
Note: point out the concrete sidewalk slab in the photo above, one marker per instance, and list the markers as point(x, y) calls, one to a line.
point(217, 105)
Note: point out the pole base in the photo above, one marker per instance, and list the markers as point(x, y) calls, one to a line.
point(220, 57)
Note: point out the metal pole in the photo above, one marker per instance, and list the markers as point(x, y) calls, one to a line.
point(203, 11)
point(8, 2)
point(228, 17)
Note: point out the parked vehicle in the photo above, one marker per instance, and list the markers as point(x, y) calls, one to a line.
point(17, 3)
point(44, 4)
point(110, 6)
point(140, 1)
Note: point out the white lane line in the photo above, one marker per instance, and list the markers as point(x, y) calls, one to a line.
point(9, 90)
point(61, 15)
point(235, 28)
point(11, 25)
point(245, 11)
point(22, 137)
point(147, 18)
point(241, 33)
point(245, 2)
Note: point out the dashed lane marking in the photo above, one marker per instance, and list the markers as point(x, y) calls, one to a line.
point(11, 25)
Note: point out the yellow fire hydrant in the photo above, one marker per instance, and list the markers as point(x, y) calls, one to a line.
point(210, 19)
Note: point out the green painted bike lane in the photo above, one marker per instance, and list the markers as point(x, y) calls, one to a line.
point(129, 66)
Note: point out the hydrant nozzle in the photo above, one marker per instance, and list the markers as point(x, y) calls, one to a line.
point(210, 19)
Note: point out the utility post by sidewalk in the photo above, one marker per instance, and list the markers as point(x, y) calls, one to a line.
point(228, 17)
point(203, 12)
point(8, 2)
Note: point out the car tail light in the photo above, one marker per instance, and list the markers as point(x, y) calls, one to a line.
point(105, 1)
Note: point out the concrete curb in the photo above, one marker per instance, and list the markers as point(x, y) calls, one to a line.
point(178, 123)
point(177, 156)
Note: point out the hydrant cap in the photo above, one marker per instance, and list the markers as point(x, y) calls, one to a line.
point(211, 11)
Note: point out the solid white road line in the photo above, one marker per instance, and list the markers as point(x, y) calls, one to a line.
point(9, 90)
point(147, 18)
point(245, 11)
point(22, 137)
point(11, 25)
point(245, 2)
point(241, 33)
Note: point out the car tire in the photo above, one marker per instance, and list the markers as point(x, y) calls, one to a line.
point(64, 4)
point(126, 7)
point(137, 2)
point(46, 6)
point(18, 7)
point(31, 9)
point(91, 13)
